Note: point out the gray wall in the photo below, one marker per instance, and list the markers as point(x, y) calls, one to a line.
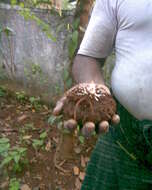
point(35, 61)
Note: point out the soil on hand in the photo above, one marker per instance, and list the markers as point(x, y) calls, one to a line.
point(90, 102)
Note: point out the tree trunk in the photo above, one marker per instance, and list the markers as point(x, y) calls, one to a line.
point(83, 11)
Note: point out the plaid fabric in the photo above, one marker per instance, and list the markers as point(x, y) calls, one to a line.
point(122, 158)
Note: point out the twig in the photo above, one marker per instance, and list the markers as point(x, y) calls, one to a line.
point(8, 130)
point(126, 151)
point(62, 163)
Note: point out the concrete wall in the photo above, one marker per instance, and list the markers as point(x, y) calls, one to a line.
point(35, 61)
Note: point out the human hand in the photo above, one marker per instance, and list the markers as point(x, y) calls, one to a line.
point(90, 105)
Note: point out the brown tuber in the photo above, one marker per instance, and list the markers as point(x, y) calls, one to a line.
point(89, 102)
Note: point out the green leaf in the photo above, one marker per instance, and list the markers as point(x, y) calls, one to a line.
point(65, 74)
point(17, 167)
point(50, 36)
point(4, 140)
point(13, 153)
point(43, 135)
point(34, 1)
point(8, 31)
point(76, 24)
point(37, 143)
point(4, 148)
point(73, 44)
point(2, 92)
point(13, 2)
point(14, 184)
point(69, 83)
point(75, 37)
point(6, 161)
point(22, 150)
point(52, 119)
point(21, 4)
point(81, 139)
point(78, 128)
point(32, 99)
point(29, 126)
point(17, 158)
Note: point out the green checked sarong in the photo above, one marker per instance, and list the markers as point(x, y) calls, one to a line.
point(122, 158)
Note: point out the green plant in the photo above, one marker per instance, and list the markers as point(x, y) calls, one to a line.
point(14, 184)
point(2, 92)
point(4, 146)
point(54, 119)
point(15, 156)
point(73, 38)
point(81, 139)
point(28, 15)
point(67, 79)
point(38, 143)
point(21, 96)
point(36, 69)
point(34, 74)
point(29, 126)
point(35, 102)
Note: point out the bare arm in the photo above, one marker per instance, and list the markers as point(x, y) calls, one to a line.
point(86, 69)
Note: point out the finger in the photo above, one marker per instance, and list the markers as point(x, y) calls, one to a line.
point(70, 124)
point(115, 119)
point(103, 127)
point(106, 89)
point(88, 129)
point(59, 105)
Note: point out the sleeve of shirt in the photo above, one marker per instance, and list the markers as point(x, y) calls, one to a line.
point(100, 35)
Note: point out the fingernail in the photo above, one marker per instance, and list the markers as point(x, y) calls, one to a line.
point(70, 124)
point(104, 127)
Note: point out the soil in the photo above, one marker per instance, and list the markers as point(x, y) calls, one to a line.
point(90, 102)
point(59, 165)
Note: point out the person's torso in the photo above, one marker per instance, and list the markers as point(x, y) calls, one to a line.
point(132, 74)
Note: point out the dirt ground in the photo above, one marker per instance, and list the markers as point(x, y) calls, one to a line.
point(57, 163)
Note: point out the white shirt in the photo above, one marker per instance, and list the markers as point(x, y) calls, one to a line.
point(127, 26)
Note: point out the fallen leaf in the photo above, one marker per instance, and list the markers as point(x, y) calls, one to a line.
point(4, 185)
point(45, 107)
point(76, 170)
point(77, 150)
point(8, 118)
point(48, 146)
point(25, 187)
point(22, 118)
point(27, 137)
point(77, 184)
point(56, 140)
